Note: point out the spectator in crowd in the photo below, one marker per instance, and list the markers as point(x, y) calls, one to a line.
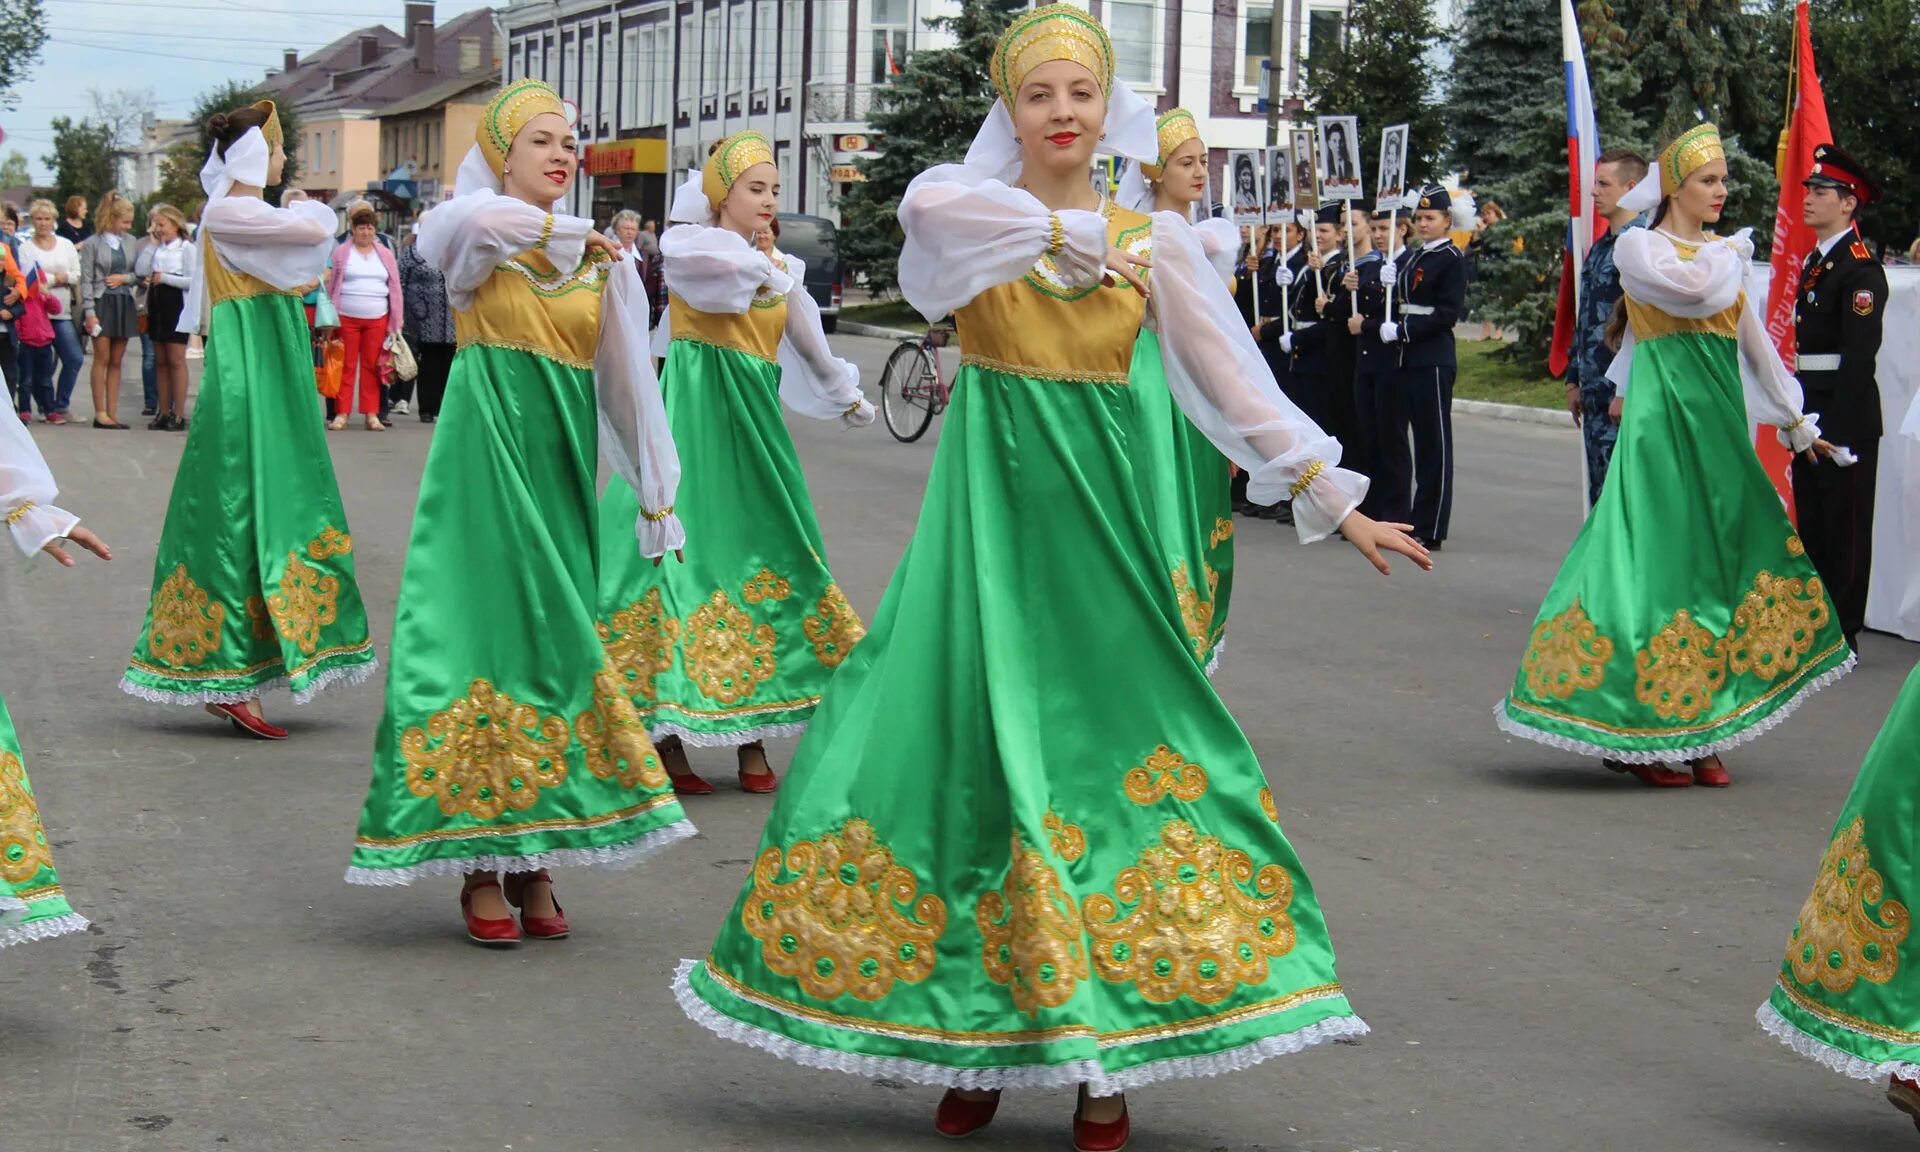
point(1913, 252)
point(428, 328)
point(59, 264)
point(171, 259)
point(11, 307)
point(74, 227)
point(149, 364)
point(109, 302)
point(354, 206)
point(323, 321)
point(638, 243)
point(364, 285)
point(650, 239)
point(34, 332)
point(1479, 255)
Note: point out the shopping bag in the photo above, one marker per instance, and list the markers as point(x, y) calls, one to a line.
point(404, 365)
point(330, 364)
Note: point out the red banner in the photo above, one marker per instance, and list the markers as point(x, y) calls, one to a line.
point(1792, 240)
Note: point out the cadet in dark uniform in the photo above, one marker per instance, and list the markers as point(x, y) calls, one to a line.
point(1308, 381)
point(1837, 318)
point(1272, 268)
point(1345, 347)
point(1430, 297)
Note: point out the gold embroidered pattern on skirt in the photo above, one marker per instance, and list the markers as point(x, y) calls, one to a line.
point(1775, 624)
point(307, 602)
point(1680, 669)
point(330, 542)
point(1183, 922)
point(1069, 841)
point(639, 643)
point(1838, 939)
point(849, 920)
point(727, 655)
point(1031, 935)
point(186, 628)
point(835, 629)
point(1268, 805)
point(23, 842)
point(485, 754)
point(765, 585)
point(1195, 612)
point(616, 740)
point(1165, 771)
point(1222, 532)
point(1567, 653)
point(1795, 546)
point(259, 619)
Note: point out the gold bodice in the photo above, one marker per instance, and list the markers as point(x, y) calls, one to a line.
point(530, 305)
point(1650, 323)
point(1036, 326)
point(756, 331)
point(223, 283)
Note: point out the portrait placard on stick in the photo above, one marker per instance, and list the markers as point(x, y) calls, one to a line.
point(1340, 158)
point(1244, 199)
point(1306, 176)
point(1393, 162)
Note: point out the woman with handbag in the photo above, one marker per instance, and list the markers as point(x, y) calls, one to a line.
point(364, 286)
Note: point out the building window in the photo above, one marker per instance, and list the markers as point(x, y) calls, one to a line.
point(608, 105)
point(550, 68)
point(766, 44)
point(829, 42)
point(790, 37)
point(891, 22)
point(1135, 43)
point(739, 41)
point(659, 66)
point(710, 54)
point(586, 49)
point(633, 67)
point(333, 147)
point(1324, 28)
point(688, 57)
point(1256, 33)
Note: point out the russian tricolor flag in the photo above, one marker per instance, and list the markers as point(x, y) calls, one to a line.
point(1583, 148)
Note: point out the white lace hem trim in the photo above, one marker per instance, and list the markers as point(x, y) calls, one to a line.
point(607, 856)
point(1213, 663)
point(1098, 1079)
point(348, 674)
point(1772, 720)
point(1820, 1052)
point(11, 934)
point(695, 739)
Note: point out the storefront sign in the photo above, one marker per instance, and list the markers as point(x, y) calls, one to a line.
point(848, 174)
point(622, 156)
point(851, 143)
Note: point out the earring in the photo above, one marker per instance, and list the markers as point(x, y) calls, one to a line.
point(504, 169)
point(1016, 139)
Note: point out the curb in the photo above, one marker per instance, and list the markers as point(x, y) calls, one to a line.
point(1519, 413)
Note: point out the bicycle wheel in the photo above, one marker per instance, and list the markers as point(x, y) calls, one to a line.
point(906, 392)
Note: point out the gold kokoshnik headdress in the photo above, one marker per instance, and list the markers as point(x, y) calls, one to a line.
point(509, 112)
point(1174, 128)
point(733, 156)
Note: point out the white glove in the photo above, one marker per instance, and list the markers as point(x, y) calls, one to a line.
point(1742, 242)
point(1389, 332)
point(1283, 276)
point(861, 415)
point(1389, 270)
point(1286, 343)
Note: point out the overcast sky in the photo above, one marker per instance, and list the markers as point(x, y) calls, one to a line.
point(176, 48)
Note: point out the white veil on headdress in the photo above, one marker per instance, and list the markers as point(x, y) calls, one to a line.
point(245, 163)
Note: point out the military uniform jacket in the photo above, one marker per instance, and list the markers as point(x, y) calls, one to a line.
point(1837, 318)
point(1430, 299)
point(1372, 355)
point(1312, 333)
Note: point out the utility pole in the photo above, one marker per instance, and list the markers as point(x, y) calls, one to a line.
point(1276, 43)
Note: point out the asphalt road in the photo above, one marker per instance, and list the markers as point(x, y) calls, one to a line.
point(1551, 957)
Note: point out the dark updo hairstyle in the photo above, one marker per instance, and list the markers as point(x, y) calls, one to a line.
point(223, 128)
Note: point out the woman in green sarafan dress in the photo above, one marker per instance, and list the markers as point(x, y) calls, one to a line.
point(1848, 993)
point(508, 744)
point(737, 644)
point(33, 906)
point(1187, 483)
point(253, 580)
point(1023, 842)
point(1686, 618)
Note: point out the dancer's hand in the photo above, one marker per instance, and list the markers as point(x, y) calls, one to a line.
point(596, 240)
point(1818, 449)
point(1372, 537)
point(1122, 264)
point(1573, 403)
point(1614, 406)
point(83, 537)
point(679, 554)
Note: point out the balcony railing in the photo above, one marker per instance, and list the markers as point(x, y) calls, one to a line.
point(829, 103)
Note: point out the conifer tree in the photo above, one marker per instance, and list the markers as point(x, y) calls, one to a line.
point(1383, 72)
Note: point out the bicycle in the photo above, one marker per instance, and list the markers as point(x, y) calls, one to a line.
point(913, 387)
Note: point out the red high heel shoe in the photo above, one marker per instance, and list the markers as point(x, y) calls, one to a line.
point(490, 933)
point(673, 755)
point(1089, 1136)
point(247, 722)
point(1710, 775)
point(959, 1117)
point(762, 781)
point(552, 927)
point(1652, 775)
point(1904, 1095)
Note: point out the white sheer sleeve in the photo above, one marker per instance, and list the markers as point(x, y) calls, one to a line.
point(967, 232)
point(468, 236)
point(1220, 240)
point(1620, 372)
point(286, 247)
point(663, 335)
point(1223, 384)
point(1773, 395)
point(27, 491)
point(634, 436)
point(813, 381)
point(1652, 272)
point(715, 270)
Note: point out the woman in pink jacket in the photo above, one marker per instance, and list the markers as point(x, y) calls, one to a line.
point(365, 288)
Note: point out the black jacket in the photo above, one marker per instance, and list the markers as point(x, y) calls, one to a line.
point(1843, 299)
point(1315, 337)
point(1431, 298)
point(1369, 354)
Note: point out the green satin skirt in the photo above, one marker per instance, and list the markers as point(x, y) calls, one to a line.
point(253, 581)
point(32, 904)
point(1023, 842)
point(737, 643)
point(1686, 618)
point(1848, 993)
point(1186, 488)
point(507, 743)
